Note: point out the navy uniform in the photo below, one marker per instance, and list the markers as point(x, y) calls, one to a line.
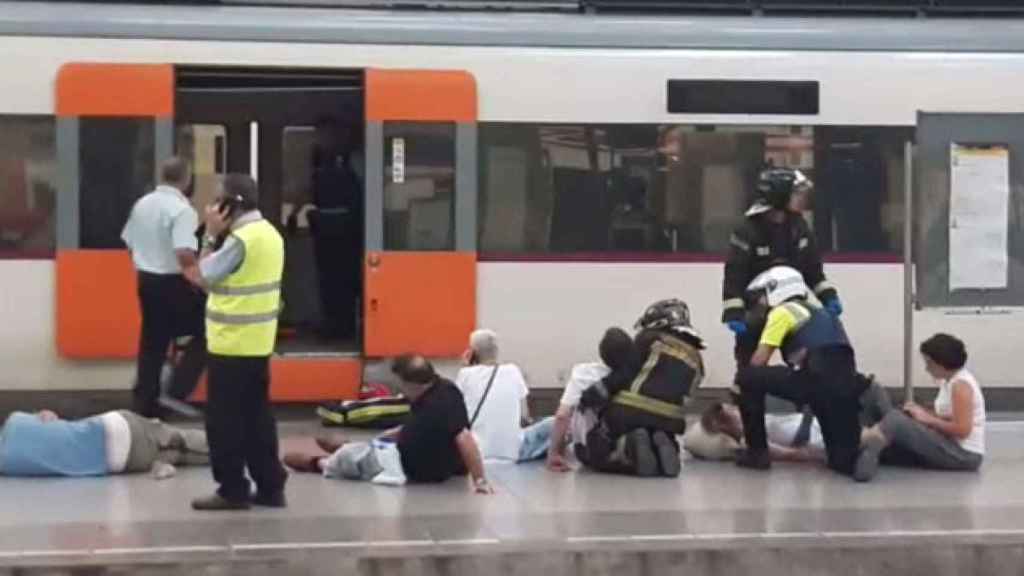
point(821, 371)
point(761, 243)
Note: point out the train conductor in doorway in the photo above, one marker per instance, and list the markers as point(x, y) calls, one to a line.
point(161, 236)
point(773, 233)
point(336, 227)
point(241, 265)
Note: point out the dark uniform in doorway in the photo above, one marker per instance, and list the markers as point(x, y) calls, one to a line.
point(336, 227)
point(773, 233)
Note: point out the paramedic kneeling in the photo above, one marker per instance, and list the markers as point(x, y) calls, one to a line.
point(243, 279)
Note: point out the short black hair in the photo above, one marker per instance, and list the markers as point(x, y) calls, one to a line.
point(243, 189)
point(946, 351)
point(617, 348)
point(414, 369)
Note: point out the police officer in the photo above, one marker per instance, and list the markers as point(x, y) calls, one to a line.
point(773, 233)
point(243, 278)
point(821, 371)
point(642, 399)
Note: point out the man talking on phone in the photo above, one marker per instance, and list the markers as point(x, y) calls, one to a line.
point(241, 266)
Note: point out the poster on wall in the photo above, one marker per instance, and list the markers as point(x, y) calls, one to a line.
point(979, 216)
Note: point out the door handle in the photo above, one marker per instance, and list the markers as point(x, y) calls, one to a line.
point(373, 305)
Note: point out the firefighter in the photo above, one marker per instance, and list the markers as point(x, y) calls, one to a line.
point(641, 400)
point(773, 233)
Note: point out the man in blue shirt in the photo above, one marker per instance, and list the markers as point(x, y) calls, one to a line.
point(161, 235)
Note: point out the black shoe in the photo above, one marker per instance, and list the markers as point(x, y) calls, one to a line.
point(640, 452)
point(218, 502)
point(754, 460)
point(668, 454)
point(273, 500)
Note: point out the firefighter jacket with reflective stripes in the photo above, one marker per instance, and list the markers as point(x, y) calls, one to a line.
point(815, 329)
point(757, 245)
point(672, 368)
point(242, 310)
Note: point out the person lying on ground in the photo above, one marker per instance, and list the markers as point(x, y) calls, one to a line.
point(432, 446)
point(119, 442)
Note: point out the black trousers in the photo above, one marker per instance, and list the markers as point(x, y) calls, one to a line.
point(171, 307)
point(241, 428)
point(828, 384)
point(336, 249)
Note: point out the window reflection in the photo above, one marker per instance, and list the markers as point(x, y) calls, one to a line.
point(675, 188)
point(116, 167)
point(28, 185)
point(419, 186)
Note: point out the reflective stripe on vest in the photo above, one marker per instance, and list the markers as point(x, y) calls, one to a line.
point(649, 405)
point(242, 310)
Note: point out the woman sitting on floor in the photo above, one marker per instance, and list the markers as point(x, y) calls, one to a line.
point(950, 438)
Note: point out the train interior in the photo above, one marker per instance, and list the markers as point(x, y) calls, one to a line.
point(299, 133)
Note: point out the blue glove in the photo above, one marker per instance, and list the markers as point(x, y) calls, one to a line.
point(834, 307)
point(738, 327)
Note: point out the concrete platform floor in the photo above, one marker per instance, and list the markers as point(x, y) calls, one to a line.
point(715, 518)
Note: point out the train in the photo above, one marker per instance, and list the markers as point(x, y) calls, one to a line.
point(545, 175)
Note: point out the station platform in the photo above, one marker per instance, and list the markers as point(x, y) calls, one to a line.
point(713, 520)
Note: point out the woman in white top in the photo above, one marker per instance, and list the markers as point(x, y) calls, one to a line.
point(952, 437)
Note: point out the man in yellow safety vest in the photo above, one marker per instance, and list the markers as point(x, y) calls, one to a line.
point(241, 266)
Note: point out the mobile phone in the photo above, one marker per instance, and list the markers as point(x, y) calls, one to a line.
point(229, 205)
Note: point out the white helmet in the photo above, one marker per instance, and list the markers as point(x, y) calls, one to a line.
point(779, 283)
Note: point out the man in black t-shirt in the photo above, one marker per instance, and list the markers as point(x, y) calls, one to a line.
point(434, 444)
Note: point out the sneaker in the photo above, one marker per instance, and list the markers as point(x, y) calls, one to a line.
point(274, 500)
point(640, 452)
point(668, 454)
point(872, 442)
point(760, 460)
point(217, 502)
point(179, 407)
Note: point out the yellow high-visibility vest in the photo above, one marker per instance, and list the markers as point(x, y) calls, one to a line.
point(242, 310)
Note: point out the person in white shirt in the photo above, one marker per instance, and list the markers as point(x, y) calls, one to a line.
point(161, 234)
point(951, 437)
point(496, 401)
point(718, 435)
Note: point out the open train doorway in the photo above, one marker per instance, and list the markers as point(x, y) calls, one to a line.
point(300, 134)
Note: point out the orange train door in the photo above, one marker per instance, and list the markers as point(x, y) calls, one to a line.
point(420, 261)
point(115, 123)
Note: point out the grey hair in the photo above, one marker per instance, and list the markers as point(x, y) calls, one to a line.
point(485, 343)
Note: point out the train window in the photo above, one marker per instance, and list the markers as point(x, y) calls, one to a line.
point(419, 186)
point(116, 167)
point(742, 97)
point(574, 189)
point(28, 185)
point(205, 146)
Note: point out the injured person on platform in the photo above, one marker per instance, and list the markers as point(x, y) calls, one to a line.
point(496, 400)
point(950, 437)
point(120, 442)
point(433, 445)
